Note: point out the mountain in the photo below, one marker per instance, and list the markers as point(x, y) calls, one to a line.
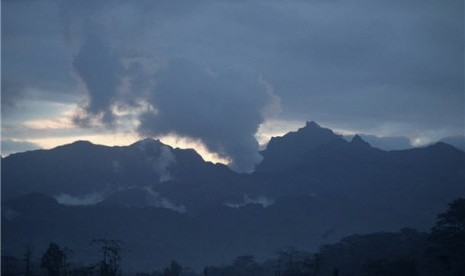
point(312, 187)
point(82, 171)
point(288, 150)
point(388, 143)
point(420, 180)
point(153, 236)
point(456, 141)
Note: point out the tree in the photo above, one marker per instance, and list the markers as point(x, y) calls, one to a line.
point(452, 221)
point(244, 261)
point(111, 257)
point(293, 262)
point(174, 269)
point(447, 239)
point(54, 260)
point(28, 260)
point(387, 267)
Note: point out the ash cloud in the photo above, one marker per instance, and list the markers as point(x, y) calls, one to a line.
point(387, 68)
point(386, 74)
point(222, 108)
point(100, 69)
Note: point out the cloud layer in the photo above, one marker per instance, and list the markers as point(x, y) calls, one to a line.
point(389, 68)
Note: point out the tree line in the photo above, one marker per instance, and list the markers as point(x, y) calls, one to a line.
point(55, 261)
point(406, 253)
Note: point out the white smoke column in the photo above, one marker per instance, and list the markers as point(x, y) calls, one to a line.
point(165, 159)
point(159, 157)
point(156, 200)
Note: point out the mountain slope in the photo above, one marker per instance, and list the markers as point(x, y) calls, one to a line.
point(313, 187)
point(419, 180)
point(82, 170)
point(286, 151)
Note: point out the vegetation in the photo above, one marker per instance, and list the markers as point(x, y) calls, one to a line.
point(407, 253)
point(446, 244)
point(111, 257)
point(53, 260)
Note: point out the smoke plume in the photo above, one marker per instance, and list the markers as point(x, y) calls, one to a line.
point(101, 72)
point(222, 108)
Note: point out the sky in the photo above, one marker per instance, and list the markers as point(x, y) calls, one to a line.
point(225, 76)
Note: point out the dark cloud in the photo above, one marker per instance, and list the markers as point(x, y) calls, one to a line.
point(101, 71)
point(366, 64)
point(34, 54)
point(11, 93)
point(223, 108)
point(390, 68)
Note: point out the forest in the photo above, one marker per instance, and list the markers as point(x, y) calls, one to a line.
point(405, 253)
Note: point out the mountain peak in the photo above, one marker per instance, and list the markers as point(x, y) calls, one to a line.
point(81, 142)
point(312, 124)
point(358, 141)
point(148, 141)
point(286, 151)
point(443, 147)
point(313, 130)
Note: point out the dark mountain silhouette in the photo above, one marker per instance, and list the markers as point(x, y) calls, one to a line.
point(456, 141)
point(420, 180)
point(288, 150)
point(313, 187)
point(82, 169)
point(154, 236)
point(387, 143)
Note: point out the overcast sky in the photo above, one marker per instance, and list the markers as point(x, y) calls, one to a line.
point(222, 74)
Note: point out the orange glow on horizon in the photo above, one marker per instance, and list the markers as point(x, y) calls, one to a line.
point(130, 138)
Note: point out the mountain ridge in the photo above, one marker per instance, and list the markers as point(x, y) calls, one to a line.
point(170, 203)
point(289, 148)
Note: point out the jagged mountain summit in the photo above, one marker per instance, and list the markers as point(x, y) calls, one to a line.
point(359, 142)
point(312, 187)
point(283, 152)
point(315, 160)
